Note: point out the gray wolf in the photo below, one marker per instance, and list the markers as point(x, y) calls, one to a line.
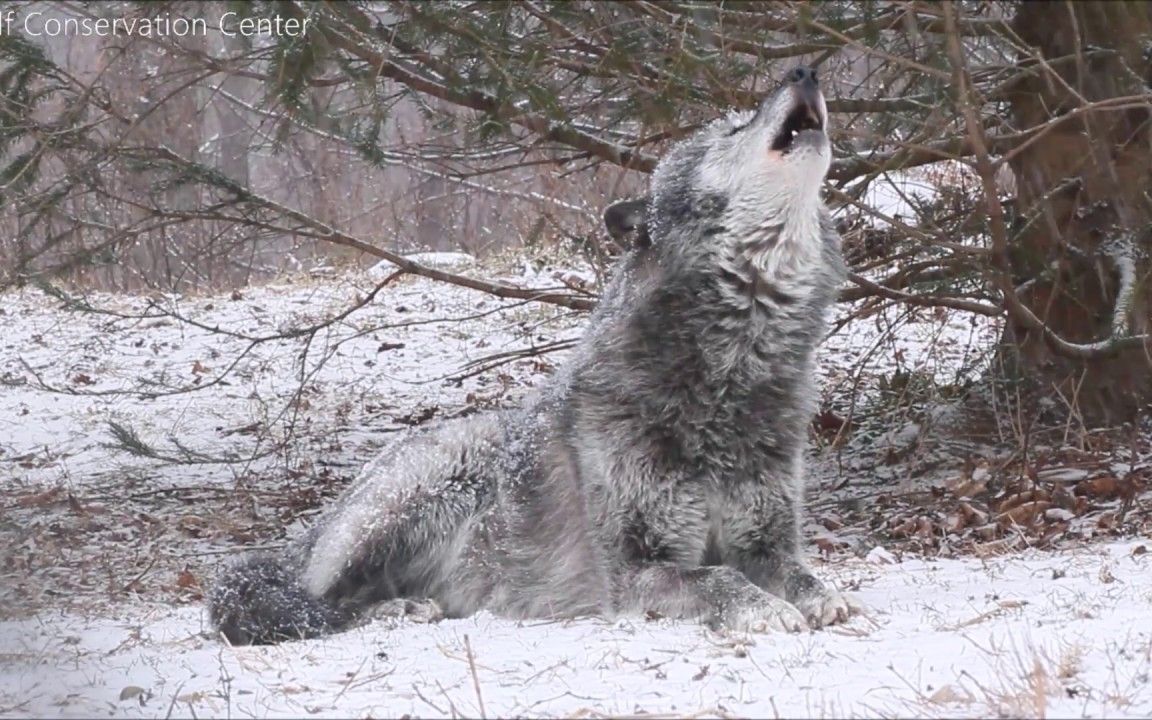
point(661, 468)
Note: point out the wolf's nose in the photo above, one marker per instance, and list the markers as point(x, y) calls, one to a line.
point(803, 76)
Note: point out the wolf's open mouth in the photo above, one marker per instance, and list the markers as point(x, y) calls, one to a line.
point(805, 116)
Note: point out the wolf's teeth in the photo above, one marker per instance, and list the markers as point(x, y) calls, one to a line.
point(794, 134)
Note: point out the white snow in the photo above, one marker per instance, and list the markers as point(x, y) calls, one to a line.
point(1061, 635)
point(393, 356)
point(903, 195)
point(899, 196)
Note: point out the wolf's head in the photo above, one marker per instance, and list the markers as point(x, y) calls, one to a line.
point(753, 173)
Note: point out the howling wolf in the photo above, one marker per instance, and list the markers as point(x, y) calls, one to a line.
point(661, 468)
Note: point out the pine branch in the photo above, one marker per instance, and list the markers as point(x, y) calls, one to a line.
point(343, 35)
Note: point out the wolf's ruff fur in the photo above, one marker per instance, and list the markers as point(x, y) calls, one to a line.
point(660, 470)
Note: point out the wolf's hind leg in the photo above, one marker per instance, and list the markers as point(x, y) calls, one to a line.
point(719, 595)
point(402, 528)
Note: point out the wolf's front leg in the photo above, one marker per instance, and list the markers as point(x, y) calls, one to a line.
point(765, 548)
point(791, 579)
point(716, 594)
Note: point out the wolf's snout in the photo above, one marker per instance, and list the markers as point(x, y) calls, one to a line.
point(803, 76)
point(809, 101)
point(807, 111)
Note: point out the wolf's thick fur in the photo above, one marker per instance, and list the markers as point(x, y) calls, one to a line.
point(662, 467)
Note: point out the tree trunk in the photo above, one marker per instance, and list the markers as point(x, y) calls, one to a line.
point(1083, 193)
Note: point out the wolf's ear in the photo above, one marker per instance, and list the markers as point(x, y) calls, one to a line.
point(628, 217)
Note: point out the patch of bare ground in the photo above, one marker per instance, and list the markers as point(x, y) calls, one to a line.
point(950, 491)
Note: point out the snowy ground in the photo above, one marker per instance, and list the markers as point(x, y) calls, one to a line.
point(1061, 635)
point(104, 553)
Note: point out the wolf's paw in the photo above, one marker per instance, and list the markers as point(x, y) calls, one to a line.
point(417, 611)
point(827, 606)
point(768, 615)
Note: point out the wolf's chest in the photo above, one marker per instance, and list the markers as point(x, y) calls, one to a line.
point(727, 518)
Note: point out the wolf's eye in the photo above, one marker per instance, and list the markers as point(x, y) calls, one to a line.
point(738, 120)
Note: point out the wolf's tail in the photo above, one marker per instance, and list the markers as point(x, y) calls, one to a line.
point(260, 600)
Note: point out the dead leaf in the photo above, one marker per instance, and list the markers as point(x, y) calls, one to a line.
point(826, 546)
point(946, 694)
point(1022, 498)
point(1101, 488)
point(187, 580)
point(905, 528)
point(1025, 514)
point(973, 515)
point(40, 499)
point(967, 489)
point(987, 532)
point(193, 525)
point(831, 522)
point(955, 522)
